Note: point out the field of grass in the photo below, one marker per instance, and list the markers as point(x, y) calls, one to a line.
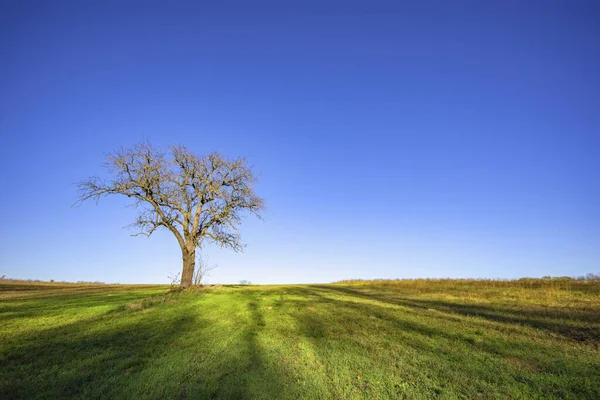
point(366, 340)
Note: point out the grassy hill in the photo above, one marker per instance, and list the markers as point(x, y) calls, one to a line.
point(369, 340)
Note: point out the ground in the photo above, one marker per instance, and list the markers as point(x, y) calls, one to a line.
point(364, 340)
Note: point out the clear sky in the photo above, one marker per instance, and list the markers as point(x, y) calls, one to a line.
point(421, 139)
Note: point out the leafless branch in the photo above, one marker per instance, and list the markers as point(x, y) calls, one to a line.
point(197, 198)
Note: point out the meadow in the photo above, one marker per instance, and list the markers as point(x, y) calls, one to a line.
point(414, 339)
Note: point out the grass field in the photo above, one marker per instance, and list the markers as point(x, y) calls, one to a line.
point(368, 340)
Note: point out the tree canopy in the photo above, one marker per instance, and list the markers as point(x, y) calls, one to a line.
point(197, 198)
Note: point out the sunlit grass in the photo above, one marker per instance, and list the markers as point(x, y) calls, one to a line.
point(402, 339)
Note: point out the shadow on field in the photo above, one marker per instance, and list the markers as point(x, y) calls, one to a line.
point(239, 369)
point(567, 323)
point(64, 362)
point(178, 350)
point(64, 300)
point(427, 345)
point(291, 342)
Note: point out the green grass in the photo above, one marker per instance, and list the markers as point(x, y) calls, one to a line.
point(378, 340)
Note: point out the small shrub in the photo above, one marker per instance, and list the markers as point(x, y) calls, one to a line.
point(175, 281)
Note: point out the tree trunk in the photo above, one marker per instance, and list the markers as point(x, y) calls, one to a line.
point(189, 264)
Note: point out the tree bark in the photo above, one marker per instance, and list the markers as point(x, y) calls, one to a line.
point(189, 264)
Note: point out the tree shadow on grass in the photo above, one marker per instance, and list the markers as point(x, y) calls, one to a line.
point(181, 350)
point(89, 358)
point(444, 352)
point(578, 326)
point(222, 349)
point(69, 301)
point(62, 309)
point(239, 367)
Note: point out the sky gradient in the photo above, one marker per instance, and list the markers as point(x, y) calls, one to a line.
point(425, 139)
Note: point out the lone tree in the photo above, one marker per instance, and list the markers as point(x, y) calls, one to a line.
point(197, 198)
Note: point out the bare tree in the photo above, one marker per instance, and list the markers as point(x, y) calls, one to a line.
point(202, 269)
point(197, 198)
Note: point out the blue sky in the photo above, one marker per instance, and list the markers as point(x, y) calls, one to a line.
point(393, 140)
